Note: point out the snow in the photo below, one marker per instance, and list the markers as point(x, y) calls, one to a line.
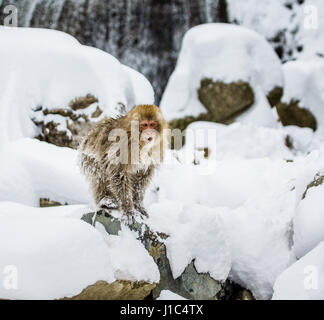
point(226, 53)
point(260, 18)
point(57, 255)
point(33, 169)
point(211, 252)
point(58, 69)
point(54, 257)
point(168, 295)
point(254, 142)
point(128, 257)
point(304, 280)
point(309, 220)
point(260, 239)
point(298, 29)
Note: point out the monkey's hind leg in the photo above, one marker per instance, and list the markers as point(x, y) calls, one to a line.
point(104, 198)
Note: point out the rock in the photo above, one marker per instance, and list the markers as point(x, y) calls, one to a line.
point(225, 101)
point(245, 295)
point(190, 285)
point(65, 127)
point(289, 142)
point(292, 114)
point(118, 290)
point(82, 102)
point(45, 202)
point(275, 95)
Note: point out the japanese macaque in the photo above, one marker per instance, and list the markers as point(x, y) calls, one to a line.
point(119, 156)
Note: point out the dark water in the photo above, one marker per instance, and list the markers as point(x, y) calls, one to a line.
point(143, 34)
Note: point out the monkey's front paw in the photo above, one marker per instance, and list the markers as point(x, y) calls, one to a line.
point(128, 218)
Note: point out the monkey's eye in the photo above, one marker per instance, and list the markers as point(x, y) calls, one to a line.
point(153, 124)
point(144, 124)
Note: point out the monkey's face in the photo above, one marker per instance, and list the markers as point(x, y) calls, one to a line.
point(149, 131)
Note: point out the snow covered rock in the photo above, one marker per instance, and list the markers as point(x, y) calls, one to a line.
point(223, 70)
point(303, 93)
point(50, 77)
point(304, 280)
point(193, 281)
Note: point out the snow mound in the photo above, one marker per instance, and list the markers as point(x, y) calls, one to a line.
point(129, 259)
point(309, 221)
point(211, 253)
point(304, 280)
point(55, 257)
point(54, 254)
point(33, 169)
point(226, 53)
point(48, 68)
point(237, 140)
point(260, 237)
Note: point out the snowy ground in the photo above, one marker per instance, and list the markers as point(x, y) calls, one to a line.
point(239, 213)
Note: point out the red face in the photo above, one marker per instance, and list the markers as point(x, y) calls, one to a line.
point(148, 129)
